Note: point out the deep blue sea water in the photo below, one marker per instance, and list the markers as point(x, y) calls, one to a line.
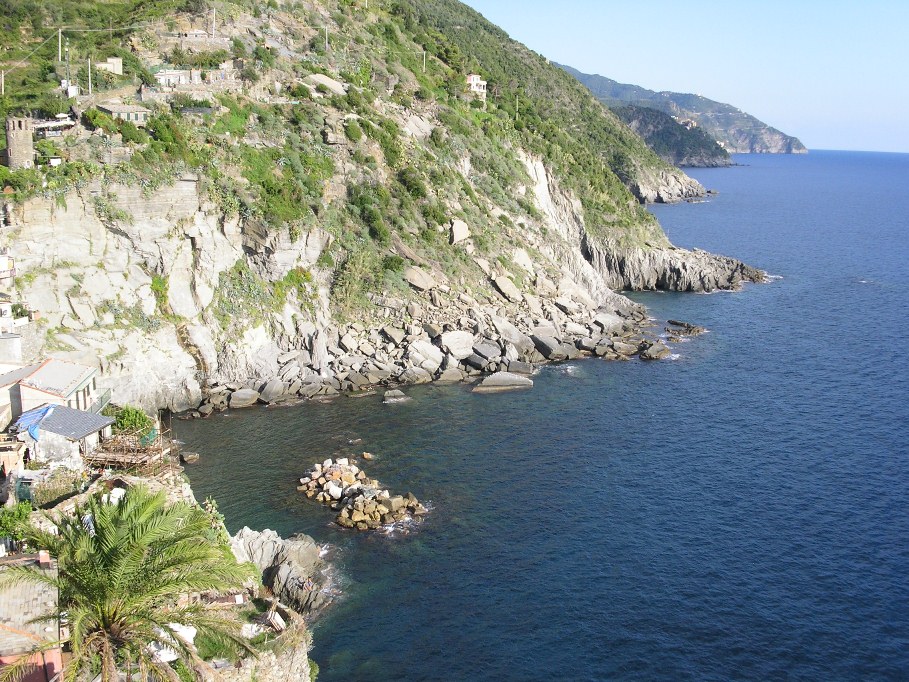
point(741, 512)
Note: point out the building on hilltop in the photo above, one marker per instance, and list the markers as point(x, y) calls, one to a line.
point(476, 86)
point(171, 78)
point(20, 144)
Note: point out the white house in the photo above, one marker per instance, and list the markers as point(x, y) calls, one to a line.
point(476, 85)
point(126, 112)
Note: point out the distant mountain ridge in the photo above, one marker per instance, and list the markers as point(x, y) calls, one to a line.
point(735, 130)
point(674, 142)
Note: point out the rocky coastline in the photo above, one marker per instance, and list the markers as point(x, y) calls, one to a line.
point(453, 338)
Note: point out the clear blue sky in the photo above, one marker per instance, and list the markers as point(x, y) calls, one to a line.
point(833, 73)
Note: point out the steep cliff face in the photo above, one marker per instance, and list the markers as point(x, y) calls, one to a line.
point(129, 281)
point(168, 296)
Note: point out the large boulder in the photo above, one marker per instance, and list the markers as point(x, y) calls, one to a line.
point(415, 375)
point(503, 381)
point(419, 279)
point(511, 333)
point(487, 349)
point(245, 397)
point(458, 343)
point(423, 353)
point(274, 389)
point(459, 231)
point(549, 347)
point(333, 86)
point(656, 351)
point(608, 322)
point(508, 289)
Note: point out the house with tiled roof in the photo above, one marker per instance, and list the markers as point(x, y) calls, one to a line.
point(61, 436)
point(52, 382)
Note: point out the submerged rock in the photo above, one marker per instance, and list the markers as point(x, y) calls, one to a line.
point(503, 381)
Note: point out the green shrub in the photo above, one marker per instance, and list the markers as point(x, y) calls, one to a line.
point(132, 420)
point(353, 131)
point(13, 520)
point(412, 182)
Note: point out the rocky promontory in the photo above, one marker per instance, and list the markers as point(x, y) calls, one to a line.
point(291, 568)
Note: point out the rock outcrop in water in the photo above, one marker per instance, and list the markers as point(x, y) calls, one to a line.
point(361, 502)
point(669, 268)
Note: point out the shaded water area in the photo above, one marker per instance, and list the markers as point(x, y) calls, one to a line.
point(737, 512)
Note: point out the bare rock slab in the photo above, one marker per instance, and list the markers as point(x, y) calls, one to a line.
point(503, 381)
point(419, 279)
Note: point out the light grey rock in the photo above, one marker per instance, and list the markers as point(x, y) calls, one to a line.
point(487, 349)
point(333, 86)
point(626, 349)
point(519, 367)
point(459, 231)
point(273, 389)
point(458, 343)
point(245, 397)
point(423, 353)
point(587, 344)
point(503, 381)
point(511, 333)
point(284, 564)
point(608, 322)
point(415, 375)
point(394, 334)
point(419, 279)
point(508, 289)
point(450, 376)
point(656, 351)
point(549, 347)
point(575, 329)
point(348, 343)
point(395, 396)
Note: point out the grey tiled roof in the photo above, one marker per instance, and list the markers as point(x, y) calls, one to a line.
point(19, 606)
point(74, 424)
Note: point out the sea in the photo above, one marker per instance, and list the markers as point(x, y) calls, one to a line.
point(738, 512)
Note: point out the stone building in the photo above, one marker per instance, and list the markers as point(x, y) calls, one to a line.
point(20, 146)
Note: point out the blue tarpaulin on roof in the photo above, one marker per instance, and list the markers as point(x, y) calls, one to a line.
point(31, 420)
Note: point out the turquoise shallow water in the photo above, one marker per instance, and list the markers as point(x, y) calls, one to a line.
point(739, 512)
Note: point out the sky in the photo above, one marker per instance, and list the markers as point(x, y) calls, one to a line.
point(833, 73)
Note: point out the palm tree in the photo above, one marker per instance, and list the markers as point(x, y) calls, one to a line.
point(120, 570)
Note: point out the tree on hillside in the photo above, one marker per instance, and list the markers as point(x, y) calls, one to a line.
point(120, 569)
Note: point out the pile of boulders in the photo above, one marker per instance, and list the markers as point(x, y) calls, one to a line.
point(361, 502)
point(448, 337)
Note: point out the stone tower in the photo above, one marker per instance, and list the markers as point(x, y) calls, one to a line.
point(20, 147)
